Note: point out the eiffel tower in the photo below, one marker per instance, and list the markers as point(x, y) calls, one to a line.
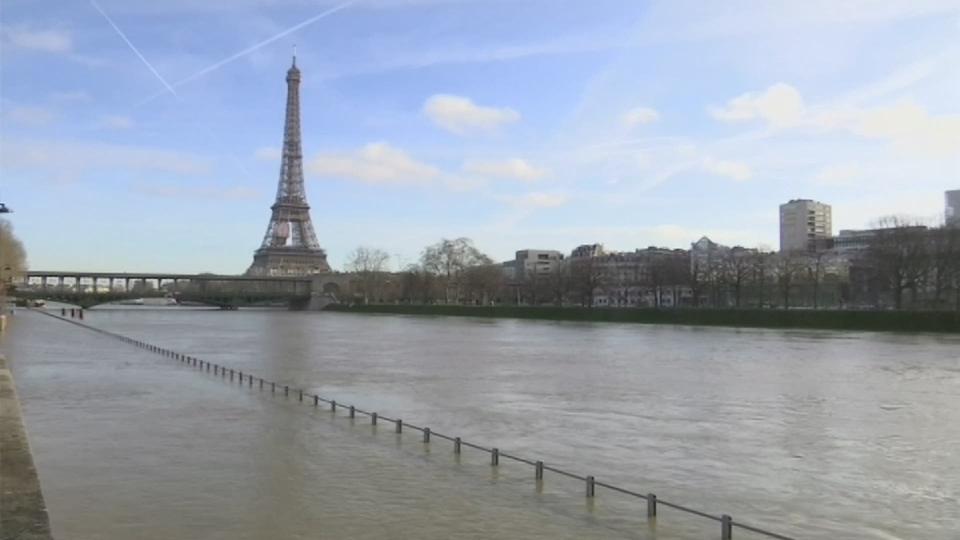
point(290, 246)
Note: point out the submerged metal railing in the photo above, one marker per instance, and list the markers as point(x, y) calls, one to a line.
point(727, 523)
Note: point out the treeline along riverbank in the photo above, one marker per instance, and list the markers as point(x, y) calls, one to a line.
point(885, 321)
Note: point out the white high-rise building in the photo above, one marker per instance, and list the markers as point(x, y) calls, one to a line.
point(953, 207)
point(804, 225)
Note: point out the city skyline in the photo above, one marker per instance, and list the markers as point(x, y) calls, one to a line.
point(630, 125)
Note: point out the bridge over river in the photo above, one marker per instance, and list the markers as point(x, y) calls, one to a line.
point(88, 289)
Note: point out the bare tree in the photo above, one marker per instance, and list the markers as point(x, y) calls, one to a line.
point(735, 269)
point(13, 258)
point(585, 277)
point(417, 285)
point(897, 255)
point(944, 265)
point(370, 268)
point(483, 283)
point(815, 271)
point(788, 270)
point(448, 259)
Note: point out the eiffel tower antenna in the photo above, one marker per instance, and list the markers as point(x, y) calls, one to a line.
point(290, 246)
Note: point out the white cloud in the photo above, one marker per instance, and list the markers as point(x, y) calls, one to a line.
point(907, 125)
point(267, 153)
point(54, 41)
point(116, 122)
point(516, 169)
point(31, 116)
point(375, 163)
point(734, 170)
point(780, 105)
point(536, 199)
point(639, 116)
point(461, 116)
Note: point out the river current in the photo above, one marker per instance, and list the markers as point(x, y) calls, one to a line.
point(814, 434)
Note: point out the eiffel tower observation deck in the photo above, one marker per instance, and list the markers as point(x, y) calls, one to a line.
point(290, 246)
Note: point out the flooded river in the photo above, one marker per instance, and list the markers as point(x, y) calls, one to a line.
point(815, 434)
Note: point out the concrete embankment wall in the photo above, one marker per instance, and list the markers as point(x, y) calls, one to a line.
point(23, 514)
point(888, 321)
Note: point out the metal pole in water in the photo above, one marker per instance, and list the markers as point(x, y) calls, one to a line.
point(538, 470)
point(316, 401)
point(333, 406)
point(301, 395)
point(353, 411)
point(456, 445)
point(426, 434)
point(495, 457)
point(286, 390)
point(591, 489)
point(373, 419)
point(726, 527)
point(399, 425)
point(651, 505)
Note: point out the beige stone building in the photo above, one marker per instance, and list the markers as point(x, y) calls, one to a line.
point(805, 225)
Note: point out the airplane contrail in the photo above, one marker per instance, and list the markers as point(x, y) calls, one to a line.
point(249, 50)
point(132, 47)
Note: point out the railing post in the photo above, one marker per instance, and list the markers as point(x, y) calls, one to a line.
point(373, 419)
point(353, 411)
point(456, 445)
point(399, 425)
point(726, 527)
point(495, 457)
point(651, 505)
point(538, 470)
point(591, 488)
point(426, 434)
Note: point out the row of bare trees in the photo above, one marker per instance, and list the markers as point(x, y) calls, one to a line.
point(903, 266)
point(450, 271)
point(910, 266)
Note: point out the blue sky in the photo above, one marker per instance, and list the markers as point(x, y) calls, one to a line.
point(520, 124)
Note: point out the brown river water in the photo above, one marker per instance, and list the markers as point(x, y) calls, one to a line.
point(811, 434)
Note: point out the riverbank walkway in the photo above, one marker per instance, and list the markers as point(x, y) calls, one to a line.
point(23, 513)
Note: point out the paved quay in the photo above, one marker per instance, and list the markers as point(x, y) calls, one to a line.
point(23, 514)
